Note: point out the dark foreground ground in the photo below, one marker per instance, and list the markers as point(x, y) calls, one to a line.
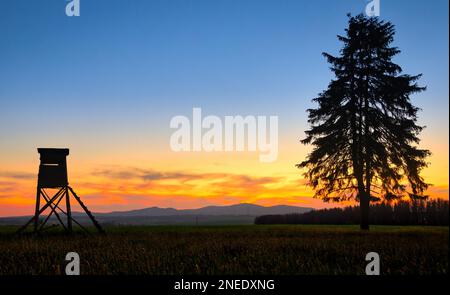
point(221, 250)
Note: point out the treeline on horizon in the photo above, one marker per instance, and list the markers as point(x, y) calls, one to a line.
point(431, 212)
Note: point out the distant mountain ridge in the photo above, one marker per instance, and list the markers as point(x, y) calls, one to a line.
point(238, 209)
point(211, 215)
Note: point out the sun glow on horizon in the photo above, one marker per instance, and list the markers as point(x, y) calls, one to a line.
point(200, 179)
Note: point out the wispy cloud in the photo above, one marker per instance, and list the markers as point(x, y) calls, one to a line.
point(131, 187)
point(17, 175)
point(183, 177)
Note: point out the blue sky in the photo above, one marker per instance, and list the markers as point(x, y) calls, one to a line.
point(126, 59)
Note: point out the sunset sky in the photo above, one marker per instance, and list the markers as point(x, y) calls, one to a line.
point(106, 85)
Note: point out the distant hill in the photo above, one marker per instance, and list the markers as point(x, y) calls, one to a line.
point(234, 214)
point(239, 209)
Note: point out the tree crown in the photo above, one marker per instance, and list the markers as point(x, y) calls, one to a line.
point(364, 132)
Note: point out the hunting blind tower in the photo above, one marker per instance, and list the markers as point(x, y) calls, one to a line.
point(53, 175)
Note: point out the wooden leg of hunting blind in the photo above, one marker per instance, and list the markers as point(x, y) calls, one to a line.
point(54, 207)
point(53, 210)
point(36, 212)
point(73, 220)
point(60, 195)
point(53, 203)
point(48, 204)
point(69, 212)
point(35, 218)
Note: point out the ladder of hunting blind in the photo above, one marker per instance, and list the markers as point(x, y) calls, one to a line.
point(94, 221)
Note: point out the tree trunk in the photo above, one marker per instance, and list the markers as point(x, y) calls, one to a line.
point(364, 201)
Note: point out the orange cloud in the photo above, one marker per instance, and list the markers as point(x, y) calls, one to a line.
point(124, 188)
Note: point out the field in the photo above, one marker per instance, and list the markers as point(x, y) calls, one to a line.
point(222, 250)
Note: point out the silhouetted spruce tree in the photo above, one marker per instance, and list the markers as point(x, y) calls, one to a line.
point(364, 131)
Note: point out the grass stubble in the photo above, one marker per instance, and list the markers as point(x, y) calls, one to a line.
point(230, 250)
